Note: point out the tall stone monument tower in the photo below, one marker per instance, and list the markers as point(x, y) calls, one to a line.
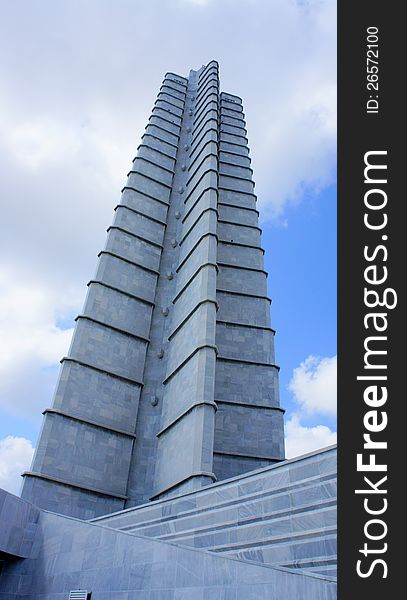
point(170, 382)
point(165, 434)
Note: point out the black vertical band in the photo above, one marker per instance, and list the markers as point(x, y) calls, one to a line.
point(371, 202)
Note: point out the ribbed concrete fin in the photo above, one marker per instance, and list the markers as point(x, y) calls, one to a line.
point(249, 429)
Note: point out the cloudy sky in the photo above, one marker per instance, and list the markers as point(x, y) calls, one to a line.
point(78, 79)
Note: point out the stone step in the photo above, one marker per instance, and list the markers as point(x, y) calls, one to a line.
point(246, 526)
point(329, 571)
point(295, 538)
point(322, 565)
point(286, 549)
point(269, 529)
point(317, 562)
point(181, 509)
point(246, 508)
point(278, 515)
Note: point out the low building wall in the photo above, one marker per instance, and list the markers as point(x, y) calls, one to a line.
point(69, 554)
point(282, 515)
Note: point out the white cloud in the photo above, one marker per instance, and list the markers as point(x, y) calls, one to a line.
point(30, 343)
point(15, 457)
point(285, 72)
point(301, 439)
point(296, 149)
point(36, 145)
point(27, 325)
point(314, 385)
point(197, 2)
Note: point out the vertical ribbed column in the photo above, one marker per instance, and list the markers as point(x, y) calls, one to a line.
point(249, 431)
point(81, 465)
point(185, 441)
point(173, 97)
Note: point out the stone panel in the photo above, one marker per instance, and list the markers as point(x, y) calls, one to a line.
point(18, 525)
point(141, 225)
point(244, 382)
point(133, 249)
point(118, 309)
point(204, 252)
point(144, 204)
point(242, 280)
point(247, 343)
point(108, 349)
point(149, 186)
point(199, 288)
point(126, 276)
point(70, 554)
point(153, 170)
point(88, 394)
point(248, 432)
point(236, 198)
point(243, 309)
point(195, 333)
point(238, 215)
point(97, 458)
point(240, 256)
point(239, 233)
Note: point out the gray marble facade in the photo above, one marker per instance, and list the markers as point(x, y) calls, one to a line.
point(68, 554)
point(170, 383)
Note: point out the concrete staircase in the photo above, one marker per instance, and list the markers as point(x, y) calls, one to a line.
point(283, 515)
